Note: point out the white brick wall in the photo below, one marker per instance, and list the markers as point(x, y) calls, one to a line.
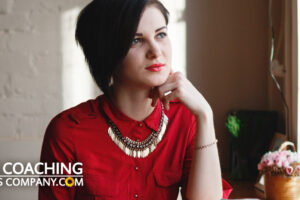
point(5, 6)
point(31, 61)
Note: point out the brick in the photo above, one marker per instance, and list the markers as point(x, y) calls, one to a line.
point(5, 83)
point(45, 22)
point(21, 6)
point(33, 126)
point(15, 22)
point(46, 61)
point(15, 63)
point(34, 42)
point(37, 85)
point(65, 5)
point(6, 6)
point(21, 151)
point(81, 3)
point(21, 105)
point(53, 6)
point(8, 127)
point(52, 104)
point(4, 38)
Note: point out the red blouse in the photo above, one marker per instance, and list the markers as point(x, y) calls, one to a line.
point(80, 134)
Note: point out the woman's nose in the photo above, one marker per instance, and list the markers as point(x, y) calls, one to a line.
point(153, 51)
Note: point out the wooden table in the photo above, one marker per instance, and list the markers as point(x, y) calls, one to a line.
point(243, 189)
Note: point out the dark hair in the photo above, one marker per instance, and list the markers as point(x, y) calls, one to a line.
point(105, 30)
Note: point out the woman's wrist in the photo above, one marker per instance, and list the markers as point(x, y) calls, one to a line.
point(204, 113)
point(205, 124)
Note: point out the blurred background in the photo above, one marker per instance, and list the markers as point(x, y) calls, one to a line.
point(223, 47)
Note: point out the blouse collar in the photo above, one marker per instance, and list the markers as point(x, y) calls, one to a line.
point(120, 118)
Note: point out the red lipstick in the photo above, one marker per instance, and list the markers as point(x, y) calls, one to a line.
point(156, 67)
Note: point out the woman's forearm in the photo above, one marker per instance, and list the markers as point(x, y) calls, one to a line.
point(205, 180)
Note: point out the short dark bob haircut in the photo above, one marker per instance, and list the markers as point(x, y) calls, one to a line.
point(105, 30)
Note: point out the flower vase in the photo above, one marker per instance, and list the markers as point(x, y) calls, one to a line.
point(282, 187)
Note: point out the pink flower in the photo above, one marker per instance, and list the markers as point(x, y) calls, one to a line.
point(283, 153)
point(267, 161)
point(285, 163)
point(290, 158)
point(278, 162)
point(289, 170)
point(282, 160)
point(264, 163)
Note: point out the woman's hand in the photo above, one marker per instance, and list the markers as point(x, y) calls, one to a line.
point(177, 86)
point(205, 173)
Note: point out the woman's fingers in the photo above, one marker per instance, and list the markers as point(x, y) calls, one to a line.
point(177, 86)
point(154, 96)
point(164, 89)
point(166, 99)
point(171, 89)
point(156, 92)
point(161, 92)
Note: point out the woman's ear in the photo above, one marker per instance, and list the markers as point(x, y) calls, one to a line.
point(115, 74)
point(112, 78)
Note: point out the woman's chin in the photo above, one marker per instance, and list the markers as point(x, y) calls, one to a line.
point(160, 79)
point(157, 82)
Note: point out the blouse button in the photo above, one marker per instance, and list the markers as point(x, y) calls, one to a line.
point(136, 196)
point(136, 168)
point(140, 124)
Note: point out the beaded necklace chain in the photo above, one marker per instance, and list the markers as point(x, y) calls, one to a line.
point(133, 148)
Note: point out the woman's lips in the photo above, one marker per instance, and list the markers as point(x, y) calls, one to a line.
point(156, 67)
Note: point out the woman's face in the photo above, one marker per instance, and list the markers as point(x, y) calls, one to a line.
point(148, 62)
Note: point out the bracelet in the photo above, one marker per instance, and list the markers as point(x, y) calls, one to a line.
point(207, 145)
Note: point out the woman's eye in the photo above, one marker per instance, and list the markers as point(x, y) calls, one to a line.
point(162, 35)
point(135, 41)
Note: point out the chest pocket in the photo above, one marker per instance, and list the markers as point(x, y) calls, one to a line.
point(98, 187)
point(167, 178)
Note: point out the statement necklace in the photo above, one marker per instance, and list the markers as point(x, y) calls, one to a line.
point(138, 149)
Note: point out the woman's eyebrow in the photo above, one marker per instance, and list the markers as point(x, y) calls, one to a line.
point(141, 34)
point(160, 28)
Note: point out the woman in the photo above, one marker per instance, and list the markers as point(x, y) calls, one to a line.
point(151, 131)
